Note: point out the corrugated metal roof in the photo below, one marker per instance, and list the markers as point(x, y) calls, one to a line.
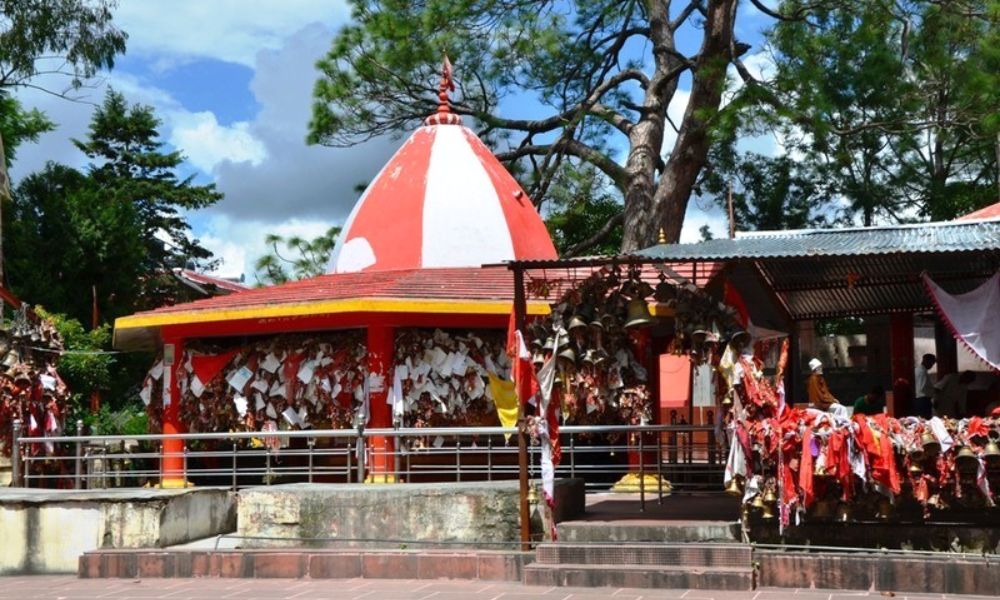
point(953, 236)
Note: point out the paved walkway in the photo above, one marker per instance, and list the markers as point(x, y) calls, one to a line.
point(70, 588)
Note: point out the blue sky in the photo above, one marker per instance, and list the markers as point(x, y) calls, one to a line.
point(232, 81)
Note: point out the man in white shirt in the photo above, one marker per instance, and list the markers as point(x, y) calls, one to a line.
point(924, 386)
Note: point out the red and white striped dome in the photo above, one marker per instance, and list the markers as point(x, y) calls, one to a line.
point(443, 200)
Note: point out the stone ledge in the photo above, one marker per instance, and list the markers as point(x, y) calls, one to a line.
point(319, 564)
point(884, 573)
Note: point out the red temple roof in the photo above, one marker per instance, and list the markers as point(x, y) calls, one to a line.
point(989, 212)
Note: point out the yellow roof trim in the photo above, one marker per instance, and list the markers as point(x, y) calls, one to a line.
point(385, 305)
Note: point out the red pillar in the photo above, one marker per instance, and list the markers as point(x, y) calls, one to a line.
point(901, 347)
point(381, 467)
point(172, 462)
point(642, 347)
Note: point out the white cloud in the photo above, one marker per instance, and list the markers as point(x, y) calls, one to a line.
point(228, 30)
point(700, 213)
point(239, 243)
point(206, 143)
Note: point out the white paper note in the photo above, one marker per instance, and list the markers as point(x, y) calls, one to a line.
point(271, 363)
point(197, 387)
point(241, 405)
point(240, 378)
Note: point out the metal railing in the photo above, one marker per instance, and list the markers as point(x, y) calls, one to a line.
point(689, 457)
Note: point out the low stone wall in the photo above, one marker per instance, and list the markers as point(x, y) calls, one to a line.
point(318, 564)
point(474, 514)
point(982, 538)
point(46, 531)
point(886, 573)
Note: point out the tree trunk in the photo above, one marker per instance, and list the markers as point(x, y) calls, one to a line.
point(647, 207)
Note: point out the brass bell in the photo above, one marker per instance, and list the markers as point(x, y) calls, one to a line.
point(567, 357)
point(599, 356)
point(916, 455)
point(916, 469)
point(597, 323)
point(758, 502)
point(10, 360)
point(576, 322)
point(538, 359)
point(734, 488)
point(930, 443)
point(966, 460)
point(770, 497)
point(550, 343)
point(992, 454)
point(768, 512)
point(588, 357)
point(638, 314)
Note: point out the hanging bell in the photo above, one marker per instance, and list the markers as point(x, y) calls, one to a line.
point(916, 469)
point(550, 343)
point(992, 454)
point(599, 356)
point(538, 359)
point(734, 488)
point(770, 497)
point(597, 323)
point(768, 512)
point(916, 455)
point(638, 314)
point(567, 357)
point(588, 357)
point(10, 360)
point(576, 322)
point(758, 502)
point(930, 443)
point(966, 460)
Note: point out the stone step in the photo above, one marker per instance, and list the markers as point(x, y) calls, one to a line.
point(674, 555)
point(626, 532)
point(638, 576)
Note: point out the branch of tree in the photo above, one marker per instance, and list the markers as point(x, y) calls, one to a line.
point(575, 148)
point(598, 236)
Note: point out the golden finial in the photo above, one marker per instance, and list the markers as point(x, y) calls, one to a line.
point(662, 239)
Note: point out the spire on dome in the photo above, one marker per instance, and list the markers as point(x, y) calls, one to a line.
point(444, 116)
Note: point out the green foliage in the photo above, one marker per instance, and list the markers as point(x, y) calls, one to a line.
point(73, 38)
point(297, 258)
point(128, 420)
point(130, 168)
point(768, 193)
point(892, 106)
point(581, 201)
point(841, 326)
point(18, 125)
point(64, 237)
point(85, 367)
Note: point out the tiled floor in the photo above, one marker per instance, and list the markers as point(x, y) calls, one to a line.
point(71, 588)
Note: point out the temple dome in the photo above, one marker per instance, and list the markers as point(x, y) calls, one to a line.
point(443, 200)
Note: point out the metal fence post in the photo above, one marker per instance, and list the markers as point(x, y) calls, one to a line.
point(234, 467)
point(347, 452)
point(458, 460)
point(79, 452)
point(642, 475)
point(267, 465)
point(572, 455)
point(185, 474)
point(15, 454)
point(489, 458)
point(659, 467)
point(311, 442)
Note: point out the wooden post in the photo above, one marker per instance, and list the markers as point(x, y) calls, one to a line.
point(520, 314)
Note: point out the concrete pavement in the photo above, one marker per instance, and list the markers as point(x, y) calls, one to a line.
point(71, 588)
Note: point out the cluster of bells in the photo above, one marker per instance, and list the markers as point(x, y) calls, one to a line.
point(966, 461)
point(586, 328)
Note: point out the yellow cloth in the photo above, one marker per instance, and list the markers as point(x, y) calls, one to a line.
point(505, 398)
point(819, 394)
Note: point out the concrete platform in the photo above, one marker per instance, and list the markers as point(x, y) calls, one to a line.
point(46, 531)
point(681, 518)
point(449, 515)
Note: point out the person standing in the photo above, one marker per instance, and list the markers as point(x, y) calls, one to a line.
point(923, 384)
